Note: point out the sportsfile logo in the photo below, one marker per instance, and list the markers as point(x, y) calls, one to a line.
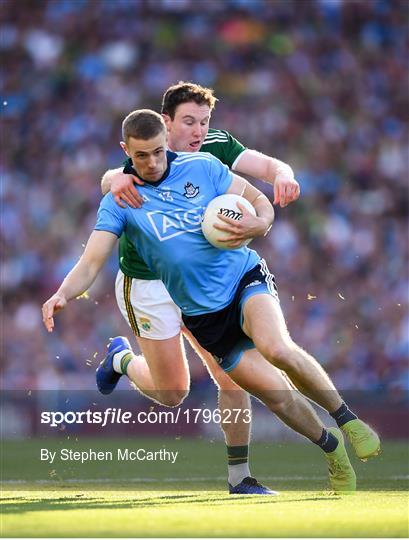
point(178, 221)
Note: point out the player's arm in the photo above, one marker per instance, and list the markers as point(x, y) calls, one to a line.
point(249, 226)
point(81, 277)
point(122, 187)
point(273, 171)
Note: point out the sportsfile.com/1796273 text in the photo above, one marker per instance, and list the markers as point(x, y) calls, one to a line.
point(111, 416)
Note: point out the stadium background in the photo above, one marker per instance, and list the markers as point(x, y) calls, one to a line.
point(319, 84)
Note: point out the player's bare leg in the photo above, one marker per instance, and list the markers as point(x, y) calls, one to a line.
point(261, 379)
point(268, 384)
point(264, 323)
point(162, 373)
point(230, 397)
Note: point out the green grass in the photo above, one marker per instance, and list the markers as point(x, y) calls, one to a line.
point(189, 498)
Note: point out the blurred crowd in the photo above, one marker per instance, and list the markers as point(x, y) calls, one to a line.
point(320, 84)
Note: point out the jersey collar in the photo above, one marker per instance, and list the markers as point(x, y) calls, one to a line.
point(128, 169)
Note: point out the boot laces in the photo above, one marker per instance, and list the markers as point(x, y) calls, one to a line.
point(250, 481)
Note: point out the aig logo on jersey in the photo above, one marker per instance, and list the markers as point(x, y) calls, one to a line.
point(178, 221)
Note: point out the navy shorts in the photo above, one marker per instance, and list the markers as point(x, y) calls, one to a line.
point(220, 332)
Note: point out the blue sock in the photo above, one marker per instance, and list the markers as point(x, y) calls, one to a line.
point(328, 442)
point(343, 415)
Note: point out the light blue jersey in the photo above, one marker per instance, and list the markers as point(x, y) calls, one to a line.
point(167, 233)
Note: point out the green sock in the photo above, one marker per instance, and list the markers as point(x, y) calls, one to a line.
point(125, 362)
point(237, 454)
point(238, 464)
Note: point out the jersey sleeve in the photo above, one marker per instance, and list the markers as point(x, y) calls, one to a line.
point(220, 175)
point(110, 217)
point(231, 149)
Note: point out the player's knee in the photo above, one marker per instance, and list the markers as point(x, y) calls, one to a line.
point(280, 354)
point(233, 398)
point(173, 398)
point(280, 402)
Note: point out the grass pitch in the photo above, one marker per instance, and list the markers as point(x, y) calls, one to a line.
point(189, 499)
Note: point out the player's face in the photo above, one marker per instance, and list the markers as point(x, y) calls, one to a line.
point(148, 157)
point(188, 129)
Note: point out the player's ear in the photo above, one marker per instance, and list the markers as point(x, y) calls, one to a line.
point(167, 120)
point(125, 148)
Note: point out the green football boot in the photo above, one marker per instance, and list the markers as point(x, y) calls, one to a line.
point(363, 439)
point(342, 476)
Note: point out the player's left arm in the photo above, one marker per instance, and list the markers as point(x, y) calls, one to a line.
point(272, 171)
point(249, 226)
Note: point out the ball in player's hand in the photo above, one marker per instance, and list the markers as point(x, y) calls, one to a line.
point(225, 205)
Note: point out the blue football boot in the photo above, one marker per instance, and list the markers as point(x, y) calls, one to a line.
point(250, 486)
point(107, 378)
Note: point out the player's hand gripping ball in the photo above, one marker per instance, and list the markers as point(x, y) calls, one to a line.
point(225, 205)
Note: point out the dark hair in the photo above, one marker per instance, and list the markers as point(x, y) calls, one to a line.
point(185, 92)
point(142, 124)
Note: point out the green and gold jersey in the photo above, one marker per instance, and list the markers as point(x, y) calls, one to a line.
point(217, 142)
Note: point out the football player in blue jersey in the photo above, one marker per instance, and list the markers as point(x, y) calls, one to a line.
point(228, 298)
point(143, 299)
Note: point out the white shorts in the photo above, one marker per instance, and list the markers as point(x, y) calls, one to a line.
point(147, 307)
